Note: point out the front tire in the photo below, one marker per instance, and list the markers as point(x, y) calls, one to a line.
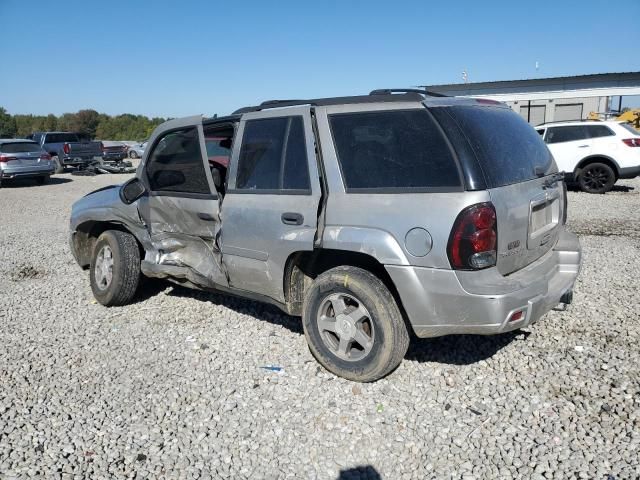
point(596, 178)
point(43, 180)
point(133, 154)
point(115, 268)
point(353, 325)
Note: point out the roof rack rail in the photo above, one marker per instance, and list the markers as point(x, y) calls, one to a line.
point(408, 95)
point(390, 91)
point(569, 121)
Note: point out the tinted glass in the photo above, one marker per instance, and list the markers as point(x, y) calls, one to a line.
point(566, 134)
point(508, 148)
point(20, 147)
point(273, 155)
point(60, 137)
point(596, 131)
point(175, 165)
point(392, 150)
point(296, 167)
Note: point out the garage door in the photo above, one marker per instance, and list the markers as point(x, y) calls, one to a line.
point(568, 112)
point(537, 113)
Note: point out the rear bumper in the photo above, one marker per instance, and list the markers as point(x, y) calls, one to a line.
point(26, 171)
point(629, 172)
point(441, 302)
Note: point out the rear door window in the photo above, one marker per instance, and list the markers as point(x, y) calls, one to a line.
point(393, 151)
point(273, 156)
point(569, 133)
point(20, 147)
point(508, 149)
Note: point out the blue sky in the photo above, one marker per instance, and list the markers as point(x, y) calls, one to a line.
point(176, 58)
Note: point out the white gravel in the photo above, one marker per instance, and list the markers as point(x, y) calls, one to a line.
point(172, 387)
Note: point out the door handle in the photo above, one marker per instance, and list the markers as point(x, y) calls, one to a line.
point(292, 218)
point(583, 146)
point(206, 217)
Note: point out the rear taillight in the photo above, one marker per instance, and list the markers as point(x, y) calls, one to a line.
point(473, 239)
point(6, 158)
point(45, 156)
point(632, 142)
point(66, 148)
point(102, 146)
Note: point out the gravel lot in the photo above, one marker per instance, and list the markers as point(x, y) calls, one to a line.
point(173, 386)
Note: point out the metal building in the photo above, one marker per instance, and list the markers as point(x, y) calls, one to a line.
point(541, 100)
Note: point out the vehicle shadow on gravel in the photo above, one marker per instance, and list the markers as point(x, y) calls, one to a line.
point(259, 310)
point(28, 182)
point(461, 349)
point(615, 188)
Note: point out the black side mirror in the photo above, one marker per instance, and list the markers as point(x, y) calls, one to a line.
point(132, 191)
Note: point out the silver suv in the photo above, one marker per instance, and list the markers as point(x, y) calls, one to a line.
point(368, 216)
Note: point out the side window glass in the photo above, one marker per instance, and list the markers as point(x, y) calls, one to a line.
point(296, 167)
point(566, 134)
point(596, 131)
point(273, 155)
point(175, 164)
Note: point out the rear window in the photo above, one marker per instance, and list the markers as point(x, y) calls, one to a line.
point(60, 137)
point(400, 150)
point(20, 147)
point(596, 131)
point(508, 149)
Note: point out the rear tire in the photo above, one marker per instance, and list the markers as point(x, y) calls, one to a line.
point(133, 154)
point(353, 325)
point(43, 180)
point(59, 167)
point(115, 268)
point(596, 178)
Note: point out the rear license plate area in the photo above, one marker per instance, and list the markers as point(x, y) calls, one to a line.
point(543, 220)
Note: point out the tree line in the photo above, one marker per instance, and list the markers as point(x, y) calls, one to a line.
point(88, 123)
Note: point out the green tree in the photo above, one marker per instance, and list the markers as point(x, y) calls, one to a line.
point(8, 127)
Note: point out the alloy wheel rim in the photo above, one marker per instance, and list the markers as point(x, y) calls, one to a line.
point(103, 270)
point(345, 327)
point(596, 178)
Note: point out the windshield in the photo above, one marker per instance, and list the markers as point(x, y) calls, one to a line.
point(20, 147)
point(508, 149)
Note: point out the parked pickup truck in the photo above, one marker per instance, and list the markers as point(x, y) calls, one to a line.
point(367, 216)
point(67, 149)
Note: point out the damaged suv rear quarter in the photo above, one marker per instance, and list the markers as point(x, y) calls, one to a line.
point(368, 216)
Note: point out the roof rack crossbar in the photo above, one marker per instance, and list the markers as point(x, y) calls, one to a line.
point(390, 91)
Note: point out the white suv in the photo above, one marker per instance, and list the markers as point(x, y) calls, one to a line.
point(594, 154)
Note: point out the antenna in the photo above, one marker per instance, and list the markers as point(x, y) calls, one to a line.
point(465, 76)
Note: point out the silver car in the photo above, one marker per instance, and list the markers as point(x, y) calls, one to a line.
point(367, 216)
point(137, 150)
point(21, 158)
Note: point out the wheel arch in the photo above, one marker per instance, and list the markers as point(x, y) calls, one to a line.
point(597, 158)
point(86, 234)
point(303, 267)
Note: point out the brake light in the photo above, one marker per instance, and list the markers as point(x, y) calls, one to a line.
point(632, 142)
point(473, 238)
point(45, 156)
point(6, 158)
point(65, 148)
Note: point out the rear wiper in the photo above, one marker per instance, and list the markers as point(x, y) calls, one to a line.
point(552, 179)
